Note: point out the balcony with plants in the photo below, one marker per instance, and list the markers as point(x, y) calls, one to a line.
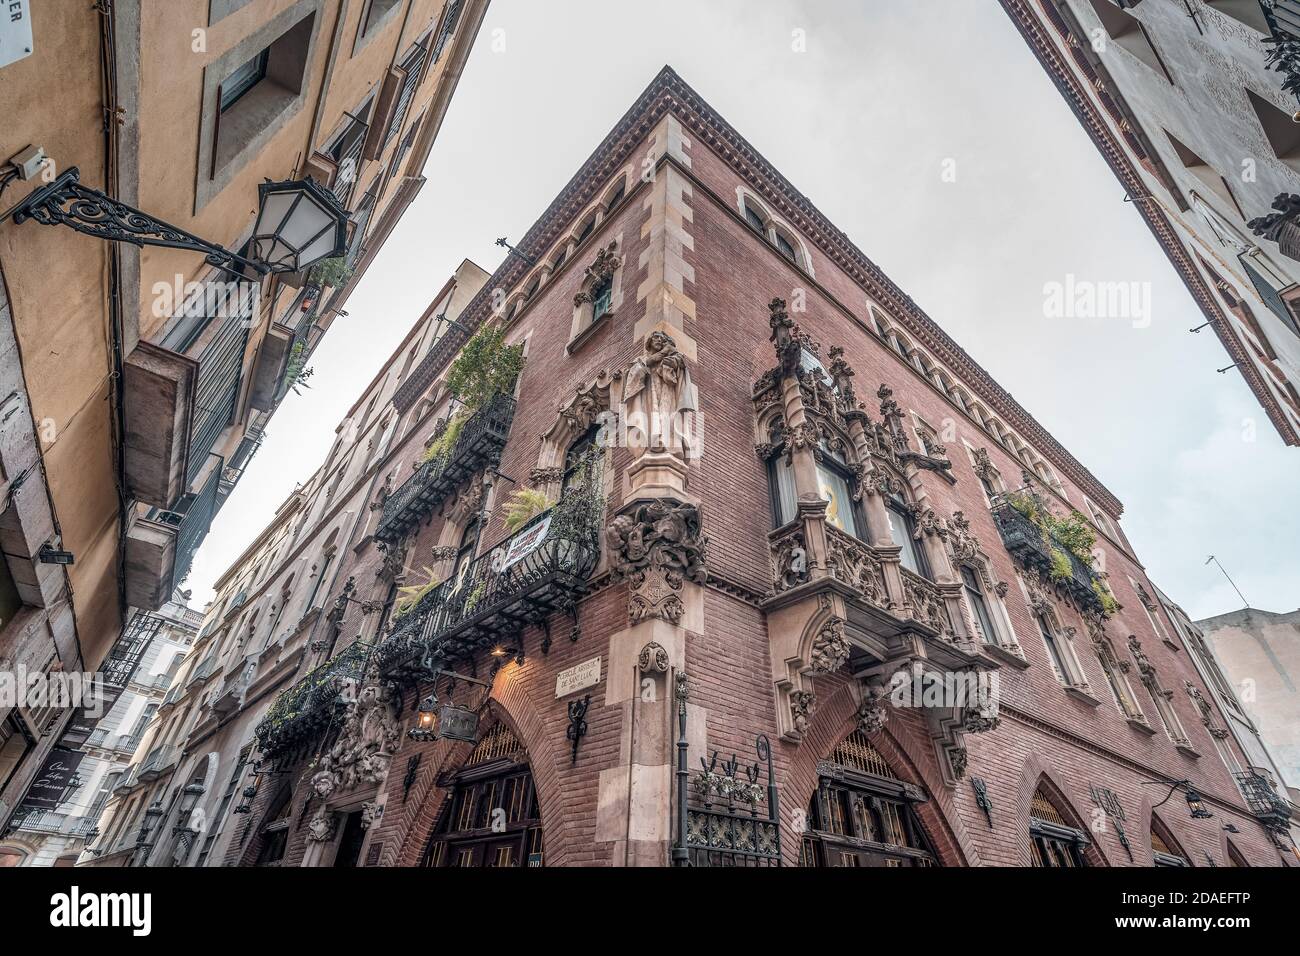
point(542, 568)
point(481, 379)
point(305, 710)
point(1060, 548)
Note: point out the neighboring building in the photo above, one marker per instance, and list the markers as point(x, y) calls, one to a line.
point(1230, 687)
point(1183, 105)
point(55, 836)
point(140, 380)
point(751, 563)
point(271, 610)
point(1260, 651)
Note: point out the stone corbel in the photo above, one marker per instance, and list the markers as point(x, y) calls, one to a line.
point(806, 639)
point(658, 546)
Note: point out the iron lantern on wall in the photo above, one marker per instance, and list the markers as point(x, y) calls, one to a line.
point(299, 223)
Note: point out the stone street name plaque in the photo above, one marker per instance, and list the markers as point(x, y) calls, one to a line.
point(578, 677)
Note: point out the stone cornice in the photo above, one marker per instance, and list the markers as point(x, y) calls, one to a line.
point(1034, 29)
point(668, 93)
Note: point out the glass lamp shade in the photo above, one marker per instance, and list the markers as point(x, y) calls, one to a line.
point(298, 224)
point(190, 796)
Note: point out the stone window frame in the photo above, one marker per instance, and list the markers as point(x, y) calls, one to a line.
point(1115, 670)
point(367, 31)
point(1075, 680)
point(584, 321)
point(1005, 644)
point(213, 173)
point(1162, 699)
point(774, 225)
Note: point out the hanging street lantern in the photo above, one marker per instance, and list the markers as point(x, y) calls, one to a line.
point(1196, 804)
point(299, 223)
point(426, 720)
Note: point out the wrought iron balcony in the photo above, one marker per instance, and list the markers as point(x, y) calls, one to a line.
point(1283, 18)
point(537, 571)
point(161, 759)
point(1035, 548)
point(1265, 802)
point(480, 440)
point(306, 709)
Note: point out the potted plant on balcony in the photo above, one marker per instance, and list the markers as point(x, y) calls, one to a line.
point(525, 505)
point(412, 594)
point(485, 367)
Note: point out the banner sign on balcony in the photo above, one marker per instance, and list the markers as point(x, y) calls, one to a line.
point(525, 543)
point(55, 780)
point(578, 677)
point(15, 31)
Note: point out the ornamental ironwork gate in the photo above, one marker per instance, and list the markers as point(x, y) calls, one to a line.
point(727, 816)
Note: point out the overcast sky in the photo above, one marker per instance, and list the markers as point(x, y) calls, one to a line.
point(862, 122)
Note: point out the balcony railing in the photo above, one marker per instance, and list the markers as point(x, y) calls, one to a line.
point(307, 707)
point(539, 570)
point(161, 759)
point(481, 439)
point(1273, 811)
point(1036, 549)
point(50, 821)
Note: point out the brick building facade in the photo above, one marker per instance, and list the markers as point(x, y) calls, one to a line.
point(760, 484)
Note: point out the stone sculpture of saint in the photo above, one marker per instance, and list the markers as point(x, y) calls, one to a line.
point(657, 398)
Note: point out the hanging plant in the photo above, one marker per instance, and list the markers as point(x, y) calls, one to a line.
point(440, 448)
point(525, 505)
point(1109, 606)
point(412, 594)
point(1061, 569)
point(330, 272)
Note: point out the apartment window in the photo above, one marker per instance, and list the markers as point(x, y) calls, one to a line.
point(575, 459)
point(275, 831)
point(1053, 841)
point(902, 531)
point(1055, 653)
point(979, 605)
point(784, 246)
point(378, 12)
point(602, 297)
point(465, 551)
point(243, 78)
point(1128, 33)
point(755, 220)
point(251, 92)
point(15, 742)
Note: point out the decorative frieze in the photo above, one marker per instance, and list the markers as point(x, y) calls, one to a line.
point(853, 563)
point(923, 603)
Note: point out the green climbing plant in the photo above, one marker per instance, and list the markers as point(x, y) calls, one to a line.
point(484, 367)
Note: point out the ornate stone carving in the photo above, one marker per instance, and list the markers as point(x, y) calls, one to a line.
point(789, 561)
point(984, 466)
point(322, 826)
point(802, 705)
point(830, 648)
point(606, 263)
point(370, 814)
point(1145, 668)
point(873, 711)
point(340, 608)
point(922, 601)
point(657, 394)
point(545, 476)
point(928, 524)
point(1206, 710)
point(842, 378)
point(784, 336)
point(892, 416)
point(1147, 600)
point(369, 738)
point(658, 546)
point(965, 547)
point(394, 562)
point(654, 657)
point(443, 552)
point(855, 564)
point(958, 758)
point(589, 402)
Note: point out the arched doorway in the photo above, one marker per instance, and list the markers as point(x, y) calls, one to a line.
point(490, 817)
point(862, 814)
point(1054, 842)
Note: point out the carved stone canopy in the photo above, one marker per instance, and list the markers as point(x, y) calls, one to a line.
point(657, 546)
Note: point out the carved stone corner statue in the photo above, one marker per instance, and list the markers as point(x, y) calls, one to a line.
point(657, 398)
point(658, 546)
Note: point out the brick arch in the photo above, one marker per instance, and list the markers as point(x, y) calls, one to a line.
point(1037, 772)
point(508, 703)
point(832, 721)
